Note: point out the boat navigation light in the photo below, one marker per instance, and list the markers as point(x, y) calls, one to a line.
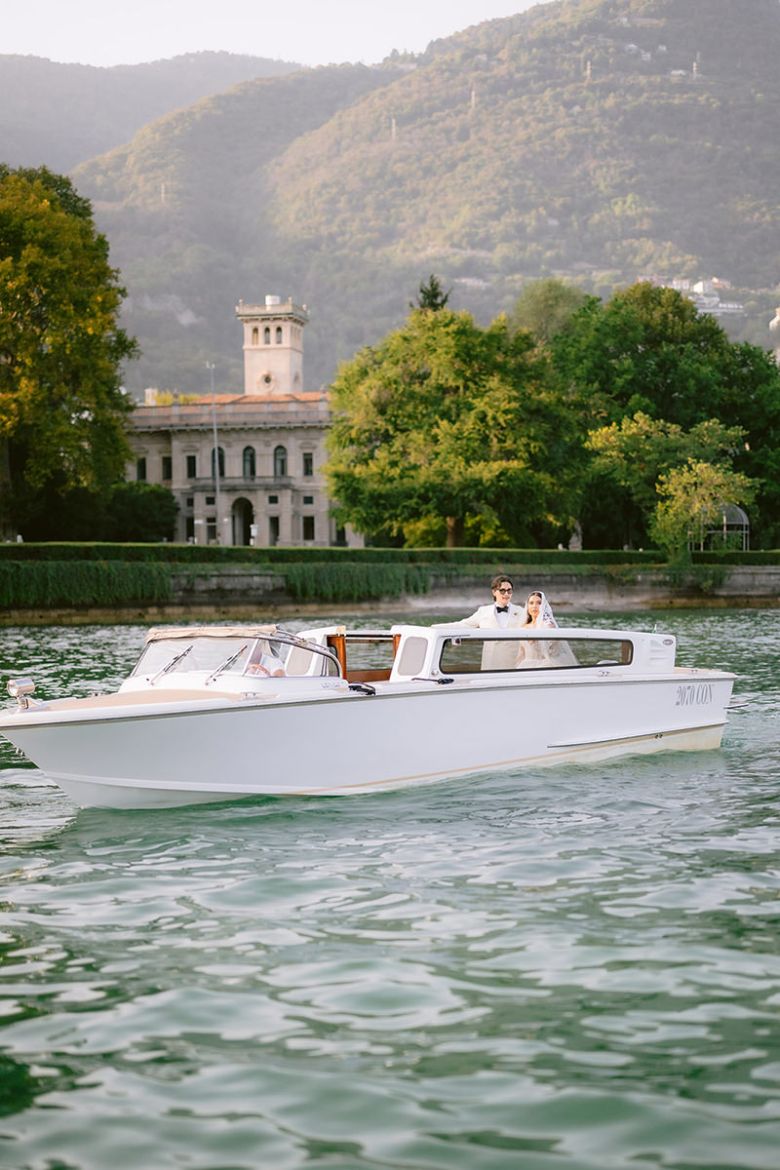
point(19, 689)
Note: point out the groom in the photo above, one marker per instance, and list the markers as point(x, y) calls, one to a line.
point(501, 615)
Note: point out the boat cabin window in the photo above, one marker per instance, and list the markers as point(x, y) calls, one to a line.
point(475, 655)
point(412, 657)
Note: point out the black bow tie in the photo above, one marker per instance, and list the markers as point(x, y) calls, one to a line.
point(502, 609)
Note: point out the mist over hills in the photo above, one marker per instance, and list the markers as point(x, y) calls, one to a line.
point(598, 140)
point(58, 115)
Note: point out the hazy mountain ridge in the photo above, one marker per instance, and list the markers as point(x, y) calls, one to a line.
point(596, 139)
point(538, 128)
point(183, 207)
point(59, 115)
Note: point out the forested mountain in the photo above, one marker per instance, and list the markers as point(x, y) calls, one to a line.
point(58, 115)
point(184, 206)
point(599, 140)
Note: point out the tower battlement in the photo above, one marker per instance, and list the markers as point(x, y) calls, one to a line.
point(273, 345)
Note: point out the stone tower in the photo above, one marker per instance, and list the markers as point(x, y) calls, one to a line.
point(273, 346)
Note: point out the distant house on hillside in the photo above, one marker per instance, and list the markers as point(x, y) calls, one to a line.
point(705, 295)
point(245, 467)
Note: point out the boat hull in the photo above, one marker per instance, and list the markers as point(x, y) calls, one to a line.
point(346, 743)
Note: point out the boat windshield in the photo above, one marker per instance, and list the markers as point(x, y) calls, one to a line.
point(252, 656)
point(204, 654)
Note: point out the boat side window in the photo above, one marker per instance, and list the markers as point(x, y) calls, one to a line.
point(495, 655)
point(412, 657)
point(482, 654)
point(463, 655)
point(602, 651)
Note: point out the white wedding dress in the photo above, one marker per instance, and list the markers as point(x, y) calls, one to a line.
point(540, 652)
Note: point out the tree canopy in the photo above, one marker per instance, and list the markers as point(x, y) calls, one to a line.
point(515, 436)
point(692, 501)
point(636, 451)
point(647, 353)
point(62, 408)
point(446, 419)
point(545, 307)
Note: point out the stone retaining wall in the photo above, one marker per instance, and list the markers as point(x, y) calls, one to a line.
point(242, 592)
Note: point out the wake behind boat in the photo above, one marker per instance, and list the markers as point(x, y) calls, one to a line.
point(213, 713)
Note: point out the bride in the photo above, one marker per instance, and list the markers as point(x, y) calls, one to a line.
point(539, 651)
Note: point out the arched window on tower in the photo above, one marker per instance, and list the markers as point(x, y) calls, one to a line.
point(249, 463)
point(267, 335)
point(255, 336)
point(280, 462)
point(278, 335)
point(221, 462)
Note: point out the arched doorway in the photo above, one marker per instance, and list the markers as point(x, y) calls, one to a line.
point(242, 516)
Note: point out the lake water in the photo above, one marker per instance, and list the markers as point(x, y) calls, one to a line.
point(562, 969)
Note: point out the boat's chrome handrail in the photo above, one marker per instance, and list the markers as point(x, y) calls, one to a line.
point(305, 644)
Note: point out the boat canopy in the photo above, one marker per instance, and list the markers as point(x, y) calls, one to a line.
point(163, 633)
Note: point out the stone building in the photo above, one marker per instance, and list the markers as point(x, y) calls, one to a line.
point(245, 468)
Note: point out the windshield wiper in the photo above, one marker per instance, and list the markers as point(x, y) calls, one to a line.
point(228, 662)
point(170, 665)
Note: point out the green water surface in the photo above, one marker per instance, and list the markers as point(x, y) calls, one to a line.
point(574, 968)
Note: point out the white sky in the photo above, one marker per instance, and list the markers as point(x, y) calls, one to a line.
point(311, 32)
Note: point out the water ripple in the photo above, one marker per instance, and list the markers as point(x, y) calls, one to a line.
point(569, 969)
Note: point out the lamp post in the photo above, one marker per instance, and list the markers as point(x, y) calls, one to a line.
point(210, 367)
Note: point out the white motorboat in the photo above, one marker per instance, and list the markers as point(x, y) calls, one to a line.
point(215, 713)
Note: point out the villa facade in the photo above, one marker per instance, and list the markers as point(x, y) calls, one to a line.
point(246, 468)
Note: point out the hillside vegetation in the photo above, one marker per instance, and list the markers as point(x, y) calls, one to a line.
point(599, 140)
point(58, 115)
point(184, 207)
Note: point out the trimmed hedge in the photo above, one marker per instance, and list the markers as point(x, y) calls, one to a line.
point(496, 559)
point(219, 554)
point(764, 557)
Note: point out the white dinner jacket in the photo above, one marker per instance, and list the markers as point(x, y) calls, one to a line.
point(496, 655)
point(486, 618)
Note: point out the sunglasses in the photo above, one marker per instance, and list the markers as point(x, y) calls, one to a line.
point(504, 591)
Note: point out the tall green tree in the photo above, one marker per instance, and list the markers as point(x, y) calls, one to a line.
point(62, 408)
point(692, 499)
point(431, 295)
point(649, 350)
point(545, 307)
point(636, 451)
point(446, 419)
point(140, 512)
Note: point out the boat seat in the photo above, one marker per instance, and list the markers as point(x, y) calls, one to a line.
point(303, 662)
